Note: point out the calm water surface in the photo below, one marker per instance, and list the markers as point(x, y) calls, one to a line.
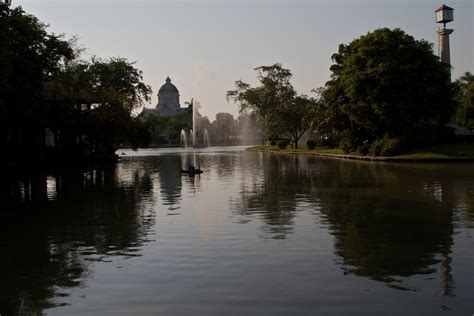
point(256, 234)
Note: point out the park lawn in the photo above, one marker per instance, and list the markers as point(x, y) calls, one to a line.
point(439, 151)
point(442, 151)
point(301, 149)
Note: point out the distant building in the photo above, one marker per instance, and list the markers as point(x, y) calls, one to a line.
point(168, 101)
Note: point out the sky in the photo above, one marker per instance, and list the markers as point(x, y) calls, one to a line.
point(204, 46)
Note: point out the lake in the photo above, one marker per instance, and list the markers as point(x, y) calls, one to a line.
point(255, 234)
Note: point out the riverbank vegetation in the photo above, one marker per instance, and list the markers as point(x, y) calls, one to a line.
point(388, 94)
point(56, 106)
point(447, 151)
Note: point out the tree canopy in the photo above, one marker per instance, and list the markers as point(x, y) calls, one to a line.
point(46, 86)
point(385, 84)
point(464, 96)
point(275, 101)
point(29, 57)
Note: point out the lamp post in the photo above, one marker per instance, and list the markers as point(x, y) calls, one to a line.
point(444, 14)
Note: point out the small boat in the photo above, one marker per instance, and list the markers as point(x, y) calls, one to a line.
point(192, 170)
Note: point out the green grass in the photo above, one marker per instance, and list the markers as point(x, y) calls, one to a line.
point(442, 151)
point(301, 148)
point(439, 151)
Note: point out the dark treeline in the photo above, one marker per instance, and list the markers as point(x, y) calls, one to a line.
point(387, 93)
point(56, 106)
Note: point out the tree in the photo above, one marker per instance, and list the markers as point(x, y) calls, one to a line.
point(464, 114)
point(45, 86)
point(274, 92)
point(223, 127)
point(29, 57)
point(95, 100)
point(386, 84)
point(297, 117)
point(117, 90)
point(275, 102)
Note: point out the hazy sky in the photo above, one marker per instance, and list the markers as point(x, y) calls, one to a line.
point(204, 46)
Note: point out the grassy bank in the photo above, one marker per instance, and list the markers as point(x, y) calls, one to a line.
point(452, 152)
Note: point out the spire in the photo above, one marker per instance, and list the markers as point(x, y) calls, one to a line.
point(168, 80)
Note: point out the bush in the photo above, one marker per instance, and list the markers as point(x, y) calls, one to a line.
point(364, 148)
point(385, 146)
point(346, 145)
point(311, 144)
point(390, 147)
point(374, 149)
point(282, 144)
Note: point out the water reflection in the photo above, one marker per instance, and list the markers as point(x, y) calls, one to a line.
point(62, 223)
point(389, 222)
point(271, 231)
point(274, 197)
point(169, 172)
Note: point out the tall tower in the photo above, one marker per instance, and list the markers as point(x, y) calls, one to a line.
point(444, 14)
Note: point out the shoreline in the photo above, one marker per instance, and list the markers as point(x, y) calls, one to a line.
point(363, 158)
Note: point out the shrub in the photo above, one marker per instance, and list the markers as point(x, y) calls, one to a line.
point(364, 148)
point(346, 145)
point(282, 144)
point(375, 148)
point(385, 146)
point(390, 147)
point(311, 144)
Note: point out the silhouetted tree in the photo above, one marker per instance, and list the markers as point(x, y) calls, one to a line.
point(29, 57)
point(386, 84)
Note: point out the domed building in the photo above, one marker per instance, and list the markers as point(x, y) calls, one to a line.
point(168, 101)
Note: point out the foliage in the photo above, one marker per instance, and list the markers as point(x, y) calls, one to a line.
point(385, 146)
point(29, 57)
point(311, 144)
point(103, 95)
point(282, 144)
point(464, 96)
point(44, 85)
point(384, 83)
point(275, 102)
point(223, 128)
point(296, 117)
point(138, 134)
point(167, 129)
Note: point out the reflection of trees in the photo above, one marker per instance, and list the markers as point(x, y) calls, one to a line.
point(394, 222)
point(389, 221)
point(47, 244)
point(169, 169)
point(275, 199)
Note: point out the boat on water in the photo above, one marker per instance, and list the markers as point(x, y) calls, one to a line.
point(192, 170)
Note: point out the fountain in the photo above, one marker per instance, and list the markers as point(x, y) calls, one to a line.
point(200, 135)
point(206, 140)
point(184, 142)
